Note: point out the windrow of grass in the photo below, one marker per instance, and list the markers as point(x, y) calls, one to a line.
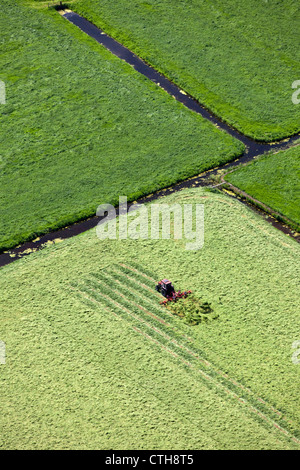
point(238, 58)
point(80, 127)
point(273, 180)
point(93, 362)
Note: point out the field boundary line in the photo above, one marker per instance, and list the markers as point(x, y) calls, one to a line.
point(154, 293)
point(226, 376)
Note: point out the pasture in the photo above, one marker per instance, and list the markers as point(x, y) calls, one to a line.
point(93, 360)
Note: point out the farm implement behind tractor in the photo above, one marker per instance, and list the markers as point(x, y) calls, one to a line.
point(166, 289)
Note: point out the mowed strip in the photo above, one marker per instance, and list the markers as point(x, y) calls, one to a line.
point(139, 272)
point(119, 297)
point(81, 373)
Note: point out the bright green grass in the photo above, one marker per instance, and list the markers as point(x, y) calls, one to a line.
point(86, 369)
point(80, 127)
point(239, 58)
point(273, 180)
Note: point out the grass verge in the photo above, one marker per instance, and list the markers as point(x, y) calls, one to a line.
point(273, 180)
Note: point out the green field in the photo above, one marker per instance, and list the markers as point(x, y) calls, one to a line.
point(93, 361)
point(80, 127)
point(238, 58)
point(273, 180)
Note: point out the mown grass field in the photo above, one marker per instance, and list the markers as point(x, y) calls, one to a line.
point(238, 58)
point(273, 180)
point(93, 361)
point(80, 127)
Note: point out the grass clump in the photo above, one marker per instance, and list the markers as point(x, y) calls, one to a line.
point(192, 309)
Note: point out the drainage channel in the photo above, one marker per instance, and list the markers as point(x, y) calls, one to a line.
point(202, 180)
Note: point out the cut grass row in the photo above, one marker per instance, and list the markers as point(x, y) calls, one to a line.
point(129, 302)
point(238, 58)
point(81, 127)
point(273, 180)
point(84, 373)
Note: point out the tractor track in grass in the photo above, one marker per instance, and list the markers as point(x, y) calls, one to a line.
point(253, 148)
point(123, 372)
point(227, 391)
point(146, 299)
point(182, 352)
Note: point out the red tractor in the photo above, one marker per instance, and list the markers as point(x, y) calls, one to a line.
point(166, 289)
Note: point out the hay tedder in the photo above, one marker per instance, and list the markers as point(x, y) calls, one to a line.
point(166, 289)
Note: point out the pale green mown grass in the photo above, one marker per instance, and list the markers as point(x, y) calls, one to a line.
point(93, 361)
point(239, 58)
point(273, 180)
point(80, 127)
